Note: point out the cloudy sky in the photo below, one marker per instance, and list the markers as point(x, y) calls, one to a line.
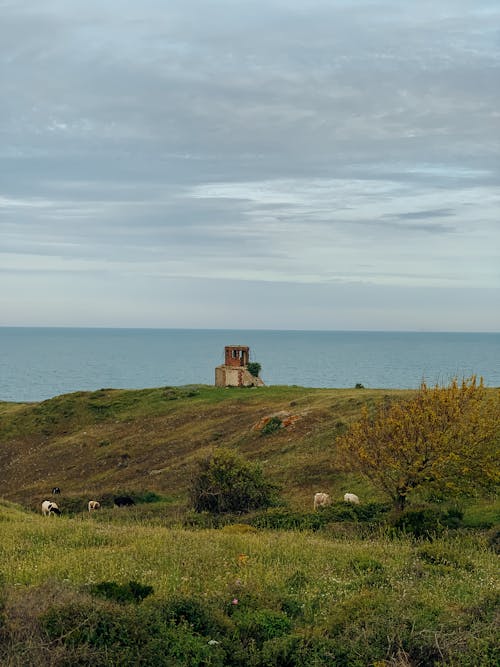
point(275, 164)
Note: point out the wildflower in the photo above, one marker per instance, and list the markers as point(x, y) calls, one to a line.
point(234, 601)
point(213, 642)
point(242, 559)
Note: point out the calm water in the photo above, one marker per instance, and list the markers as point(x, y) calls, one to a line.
point(38, 363)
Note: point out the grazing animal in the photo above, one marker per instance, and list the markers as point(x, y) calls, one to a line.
point(321, 500)
point(94, 505)
point(351, 498)
point(123, 501)
point(56, 490)
point(48, 508)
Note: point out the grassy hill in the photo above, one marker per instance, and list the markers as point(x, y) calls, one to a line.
point(93, 443)
point(96, 444)
point(243, 595)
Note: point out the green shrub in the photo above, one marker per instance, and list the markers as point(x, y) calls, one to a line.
point(199, 614)
point(179, 646)
point(282, 651)
point(224, 483)
point(133, 591)
point(377, 625)
point(254, 368)
point(426, 523)
point(285, 519)
point(77, 623)
point(452, 517)
point(292, 606)
point(272, 426)
point(147, 497)
point(375, 512)
point(260, 625)
point(342, 511)
point(113, 635)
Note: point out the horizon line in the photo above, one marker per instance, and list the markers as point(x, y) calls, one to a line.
point(160, 328)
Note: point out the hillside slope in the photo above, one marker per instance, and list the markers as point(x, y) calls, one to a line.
point(92, 443)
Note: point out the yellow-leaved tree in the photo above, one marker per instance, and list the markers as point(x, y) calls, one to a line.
point(443, 438)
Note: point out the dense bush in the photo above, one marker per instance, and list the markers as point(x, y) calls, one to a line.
point(254, 368)
point(108, 636)
point(285, 519)
point(100, 625)
point(426, 522)
point(260, 625)
point(373, 512)
point(146, 497)
point(224, 482)
point(198, 614)
point(133, 591)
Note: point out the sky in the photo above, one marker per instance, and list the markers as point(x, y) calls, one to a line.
point(260, 164)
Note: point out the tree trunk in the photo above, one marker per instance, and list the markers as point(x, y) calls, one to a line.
point(401, 501)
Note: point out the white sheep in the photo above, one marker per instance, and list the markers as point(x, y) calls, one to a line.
point(321, 500)
point(94, 505)
point(50, 508)
point(351, 498)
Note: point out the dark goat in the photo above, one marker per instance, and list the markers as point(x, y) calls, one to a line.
point(123, 501)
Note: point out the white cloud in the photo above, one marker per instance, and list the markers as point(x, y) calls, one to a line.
point(330, 143)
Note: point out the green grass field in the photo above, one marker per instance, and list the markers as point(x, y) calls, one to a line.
point(276, 597)
point(318, 589)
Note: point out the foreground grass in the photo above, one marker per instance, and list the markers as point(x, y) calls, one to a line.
point(271, 598)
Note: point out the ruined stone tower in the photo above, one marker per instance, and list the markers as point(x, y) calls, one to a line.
point(234, 371)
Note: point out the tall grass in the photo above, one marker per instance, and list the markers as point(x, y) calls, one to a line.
point(377, 598)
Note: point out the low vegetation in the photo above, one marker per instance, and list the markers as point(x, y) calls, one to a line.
point(222, 559)
point(81, 591)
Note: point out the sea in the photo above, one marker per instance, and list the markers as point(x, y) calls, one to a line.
point(39, 363)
